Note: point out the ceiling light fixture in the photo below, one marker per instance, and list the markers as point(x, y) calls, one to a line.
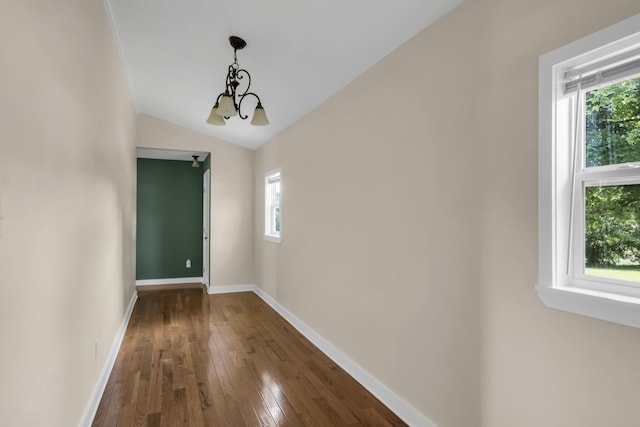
point(195, 163)
point(229, 102)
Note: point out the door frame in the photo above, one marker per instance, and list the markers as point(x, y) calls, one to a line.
point(206, 228)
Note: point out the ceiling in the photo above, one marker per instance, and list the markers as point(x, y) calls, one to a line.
point(299, 53)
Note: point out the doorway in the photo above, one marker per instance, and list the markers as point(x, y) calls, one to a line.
point(173, 217)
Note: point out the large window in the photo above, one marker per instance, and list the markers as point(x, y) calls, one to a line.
point(589, 176)
point(606, 184)
point(272, 210)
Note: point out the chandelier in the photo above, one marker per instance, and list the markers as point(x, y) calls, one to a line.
point(229, 103)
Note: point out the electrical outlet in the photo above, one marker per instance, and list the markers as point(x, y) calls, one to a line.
point(188, 263)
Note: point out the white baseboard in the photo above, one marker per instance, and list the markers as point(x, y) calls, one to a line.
point(230, 288)
point(402, 409)
point(96, 396)
point(172, 281)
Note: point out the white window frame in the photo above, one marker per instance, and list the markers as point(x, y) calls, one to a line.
point(270, 233)
point(560, 284)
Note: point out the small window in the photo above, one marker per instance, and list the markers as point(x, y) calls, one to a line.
point(272, 210)
point(589, 175)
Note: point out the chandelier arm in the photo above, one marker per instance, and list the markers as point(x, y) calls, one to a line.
point(239, 75)
point(231, 77)
point(240, 103)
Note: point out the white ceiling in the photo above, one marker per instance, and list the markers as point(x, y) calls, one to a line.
point(298, 53)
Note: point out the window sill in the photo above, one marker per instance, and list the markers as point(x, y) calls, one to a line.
point(270, 238)
point(600, 305)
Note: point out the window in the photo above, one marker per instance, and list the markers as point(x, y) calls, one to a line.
point(589, 175)
point(272, 211)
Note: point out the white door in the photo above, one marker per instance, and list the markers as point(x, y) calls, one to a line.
point(206, 204)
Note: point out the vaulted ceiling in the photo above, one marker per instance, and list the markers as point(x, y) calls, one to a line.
point(299, 53)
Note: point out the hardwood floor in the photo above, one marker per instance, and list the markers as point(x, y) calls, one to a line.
point(192, 359)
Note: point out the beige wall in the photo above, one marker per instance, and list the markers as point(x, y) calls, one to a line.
point(410, 228)
point(231, 195)
point(379, 225)
point(67, 190)
point(541, 367)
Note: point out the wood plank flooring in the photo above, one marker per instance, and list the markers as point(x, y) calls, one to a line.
point(193, 359)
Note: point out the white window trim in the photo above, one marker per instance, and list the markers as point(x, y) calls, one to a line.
point(271, 237)
point(605, 305)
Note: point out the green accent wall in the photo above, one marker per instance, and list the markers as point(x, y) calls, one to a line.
point(169, 219)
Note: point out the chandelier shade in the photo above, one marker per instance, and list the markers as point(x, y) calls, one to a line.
point(259, 116)
point(214, 118)
point(229, 103)
point(227, 107)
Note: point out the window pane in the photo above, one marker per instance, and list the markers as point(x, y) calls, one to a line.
point(276, 192)
point(612, 232)
point(277, 219)
point(612, 119)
